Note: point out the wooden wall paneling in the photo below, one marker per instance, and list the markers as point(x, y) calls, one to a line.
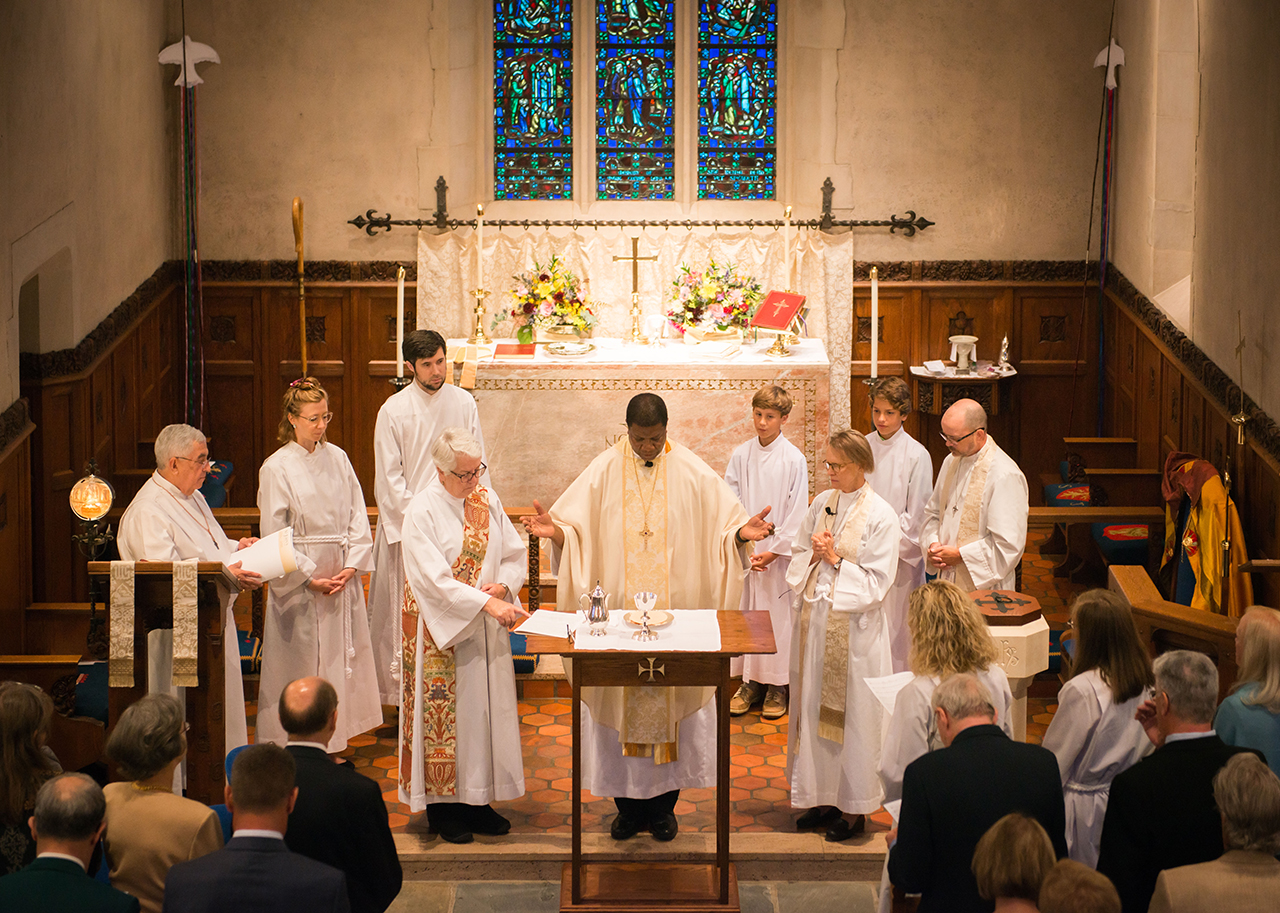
point(15, 542)
point(897, 333)
point(1219, 437)
point(171, 359)
point(101, 413)
point(1126, 349)
point(59, 450)
point(1147, 413)
point(1257, 495)
point(126, 399)
point(152, 414)
point(1194, 435)
point(1170, 409)
point(232, 317)
point(374, 310)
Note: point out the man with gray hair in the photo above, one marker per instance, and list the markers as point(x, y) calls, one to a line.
point(168, 520)
point(67, 826)
point(1247, 876)
point(1161, 812)
point(464, 564)
point(950, 797)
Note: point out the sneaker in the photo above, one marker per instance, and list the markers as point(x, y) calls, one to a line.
point(775, 703)
point(748, 694)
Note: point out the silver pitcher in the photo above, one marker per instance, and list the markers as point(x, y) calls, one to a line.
point(597, 611)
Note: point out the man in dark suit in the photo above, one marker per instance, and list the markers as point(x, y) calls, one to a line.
point(1161, 812)
point(340, 818)
point(255, 872)
point(67, 825)
point(950, 797)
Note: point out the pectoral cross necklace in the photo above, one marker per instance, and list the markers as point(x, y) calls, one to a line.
point(645, 532)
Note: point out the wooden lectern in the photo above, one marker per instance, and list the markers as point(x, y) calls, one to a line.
point(153, 599)
point(654, 886)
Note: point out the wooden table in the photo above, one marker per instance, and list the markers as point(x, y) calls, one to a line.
point(668, 886)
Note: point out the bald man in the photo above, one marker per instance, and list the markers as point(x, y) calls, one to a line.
point(339, 818)
point(975, 524)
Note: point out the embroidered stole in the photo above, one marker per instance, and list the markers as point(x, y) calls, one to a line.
point(439, 712)
point(971, 509)
point(835, 651)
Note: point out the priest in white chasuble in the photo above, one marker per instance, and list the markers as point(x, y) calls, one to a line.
point(647, 515)
point(975, 526)
point(408, 424)
point(168, 520)
point(459, 728)
point(904, 477)
point(842, 567)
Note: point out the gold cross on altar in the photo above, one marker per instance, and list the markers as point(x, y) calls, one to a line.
point(635, 259)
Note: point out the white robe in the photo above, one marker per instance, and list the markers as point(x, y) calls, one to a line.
point(705, 570)
point(822, 772)
point(304, 632)
point(408, 424)
point(775, 476)
point(904, 477)
point(1094, 740)
point(162, 524)
point(992, 559)
point(490, 763)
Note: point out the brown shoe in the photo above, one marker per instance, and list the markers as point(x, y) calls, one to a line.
point(775, 703)
point(749, 693)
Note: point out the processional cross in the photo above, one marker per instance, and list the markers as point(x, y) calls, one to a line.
point(637, 336)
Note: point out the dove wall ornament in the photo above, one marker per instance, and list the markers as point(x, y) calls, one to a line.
point(186, 54)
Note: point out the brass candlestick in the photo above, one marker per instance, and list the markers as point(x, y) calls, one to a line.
point(478, 335)
point(637, 334)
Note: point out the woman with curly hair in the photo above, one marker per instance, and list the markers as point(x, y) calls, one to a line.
point(26, 762)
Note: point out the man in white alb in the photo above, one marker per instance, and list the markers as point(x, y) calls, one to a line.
point(975, 525)
point(408, 424)
point(168, 520)
point(648, 516)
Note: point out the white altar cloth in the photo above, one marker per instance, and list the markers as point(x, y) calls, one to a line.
point(691, 631)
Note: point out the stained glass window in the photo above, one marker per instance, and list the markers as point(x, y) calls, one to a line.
point(532, 99)
point(635, 99)
point(737, 98)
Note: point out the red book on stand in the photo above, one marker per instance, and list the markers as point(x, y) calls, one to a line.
point(514, 350)
point(777, 311)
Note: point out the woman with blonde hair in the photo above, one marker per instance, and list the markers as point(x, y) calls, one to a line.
point(1250, 716)
point(315, 622)
point(948, 635)
point(26, 714)
point(1011, 862)
point(1094, 733)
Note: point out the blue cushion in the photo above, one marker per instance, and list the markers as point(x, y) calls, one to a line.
point(1055, 650)
point(215, 494)
point(1067, 494)
point(1064, 470)
point(91, 690)
point(250, 653)
point(524, 662)
point(1122, 543)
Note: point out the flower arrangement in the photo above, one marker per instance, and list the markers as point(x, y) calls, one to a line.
point(546, 297)
point(712, 300)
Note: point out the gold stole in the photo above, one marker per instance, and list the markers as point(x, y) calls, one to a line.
point(439, 674)
point(971, 511)
point(835, 650)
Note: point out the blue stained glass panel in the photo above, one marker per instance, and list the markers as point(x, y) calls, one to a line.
point(635, 99)
point(533, 99)
point(737, 99)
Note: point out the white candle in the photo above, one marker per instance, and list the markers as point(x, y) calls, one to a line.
point(400, 322)
point(479, 245)
point(786, 243)
point(875, 321)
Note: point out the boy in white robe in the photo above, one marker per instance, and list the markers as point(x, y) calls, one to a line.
point(904, 477)
point(408, 424)
point(975, 526)
point(769, 470)
point(459, 727)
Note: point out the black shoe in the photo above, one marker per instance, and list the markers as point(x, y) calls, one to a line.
point(484, 820)
point(625, 827)
point(817, 817)
point(448, 823)
point(664, 828)
point(841, 829)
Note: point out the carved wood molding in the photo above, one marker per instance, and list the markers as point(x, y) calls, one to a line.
point(974, 271)
point(313, 270)
point(14, 422)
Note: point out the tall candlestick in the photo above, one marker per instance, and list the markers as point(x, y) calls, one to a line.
point(786, 243)
point(875, 321)
point(479, 245)
point(400, 322)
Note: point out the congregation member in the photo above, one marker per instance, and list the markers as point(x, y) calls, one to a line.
point(149, 829)
point(26, 762)
point(904, 477)
point(67, 825)
point(256, 872)
point(339, 818)
point(1161, 811)
point(168, 520)
point(1011, 862)
point(408, 423)
point(1073, 887)
point(842, 566)
point(950, 798)
point(647, 515)
point(459, 726)
point(948, 636)
point(1095, 734)
point(975, 526)
point(1246, 878)
point(769, 470)
point(315, 621)
point(1250, 714)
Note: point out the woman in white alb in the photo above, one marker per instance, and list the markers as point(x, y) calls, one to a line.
point(315, 622)
point(1094, 734)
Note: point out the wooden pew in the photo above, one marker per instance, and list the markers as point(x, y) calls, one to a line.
point(1073, 539)
point(1125, 487)
point(1104, 452)
point(76, 740)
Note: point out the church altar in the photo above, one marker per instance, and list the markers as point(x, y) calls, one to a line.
point(544, 419)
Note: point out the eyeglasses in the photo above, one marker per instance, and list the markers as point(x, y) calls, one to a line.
point(206, 462)
point(836, 467)
point(468, 476)
point(315, 419)
point(956, 440)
